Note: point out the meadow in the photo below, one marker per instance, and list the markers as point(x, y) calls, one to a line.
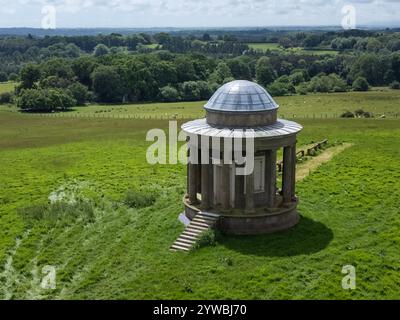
point(7, 86)
point(265, 46)
point(106, 249)
point(379, 101)
point(276, 47)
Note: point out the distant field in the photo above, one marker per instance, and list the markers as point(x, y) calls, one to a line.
point(265, 46)
point(381, 101)
point(7, 86)
point(378, 102)
point(152, 46)
point(185, 109)
point(315, 51)
point(276, 46)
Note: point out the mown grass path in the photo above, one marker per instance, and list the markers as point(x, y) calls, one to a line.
point(304, 169)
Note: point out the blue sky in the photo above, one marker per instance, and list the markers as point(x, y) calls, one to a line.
point(195, 13)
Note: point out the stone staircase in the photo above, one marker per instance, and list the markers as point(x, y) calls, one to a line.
point(201, 222)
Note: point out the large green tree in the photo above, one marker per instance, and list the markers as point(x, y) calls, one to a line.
point(360, 84)
point(107, 84)
point(169, 94)
point(239, 69)
point(265, 74)
point(30, 74)
point(79, 92)
point(57, 67)
point(83, 68)
point(221, 74)
point(140, 82)
point(185, 69)
point(101, 50)
point(371, 67)
point(164, 73)
point(44, 100)
point(395, 64)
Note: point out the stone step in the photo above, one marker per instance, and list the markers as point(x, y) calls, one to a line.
point(181, 243)
point(189, 237)
point(199, 224)
point(181, 240)
point(184, 245)
point(208, 214)
point(177, 247)
point(204, 220)
point(195, 228)
point(194, 233)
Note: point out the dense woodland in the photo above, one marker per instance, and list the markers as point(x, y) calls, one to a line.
point(58, 72)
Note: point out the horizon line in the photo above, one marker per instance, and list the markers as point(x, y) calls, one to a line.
point(211, 27)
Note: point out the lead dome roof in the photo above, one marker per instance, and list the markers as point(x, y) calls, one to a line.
point(241, 96)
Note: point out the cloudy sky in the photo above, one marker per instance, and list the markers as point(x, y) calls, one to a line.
point(194, 13)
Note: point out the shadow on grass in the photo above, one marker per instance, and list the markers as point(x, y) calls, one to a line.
point(307, 237)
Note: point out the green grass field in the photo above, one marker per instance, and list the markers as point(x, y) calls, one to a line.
point(152, 46)
point(277, 47)
point(380, 101)
point(7, 86)
point(316, 51)
point(349, 209)
point(265, 46)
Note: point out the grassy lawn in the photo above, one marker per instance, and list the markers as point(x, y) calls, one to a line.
point(40, 155)
point(7, 86)
point(152, 46)
point(314, 51)
point(265, 46)
point(276, 46)
point(186, 109)
point(349, 209)
point(378, 101)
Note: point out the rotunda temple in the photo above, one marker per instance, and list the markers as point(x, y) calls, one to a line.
point(249, 197)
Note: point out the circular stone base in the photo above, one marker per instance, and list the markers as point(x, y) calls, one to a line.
point(282, 219)
point(259, 224)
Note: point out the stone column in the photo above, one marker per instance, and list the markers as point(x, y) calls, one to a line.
point(250, 193)
point(270, 172)
point(225, 187)
point(287, 175)
point(239, 192)
point(192, 183)
point(187, 180)
point(211, 185)
point(205, 185)
point(294, 160)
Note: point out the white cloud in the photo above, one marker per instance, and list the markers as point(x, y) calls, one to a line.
point(138, 13)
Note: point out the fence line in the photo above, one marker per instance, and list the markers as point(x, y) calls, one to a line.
point(315, 147)
point(104, 115)
point(333, 116)
point(302, 153)
point(111, 116)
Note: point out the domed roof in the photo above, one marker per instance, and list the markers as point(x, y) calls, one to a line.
point(241, 96)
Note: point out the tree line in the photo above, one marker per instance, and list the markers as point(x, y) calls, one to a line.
point(56, 73)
